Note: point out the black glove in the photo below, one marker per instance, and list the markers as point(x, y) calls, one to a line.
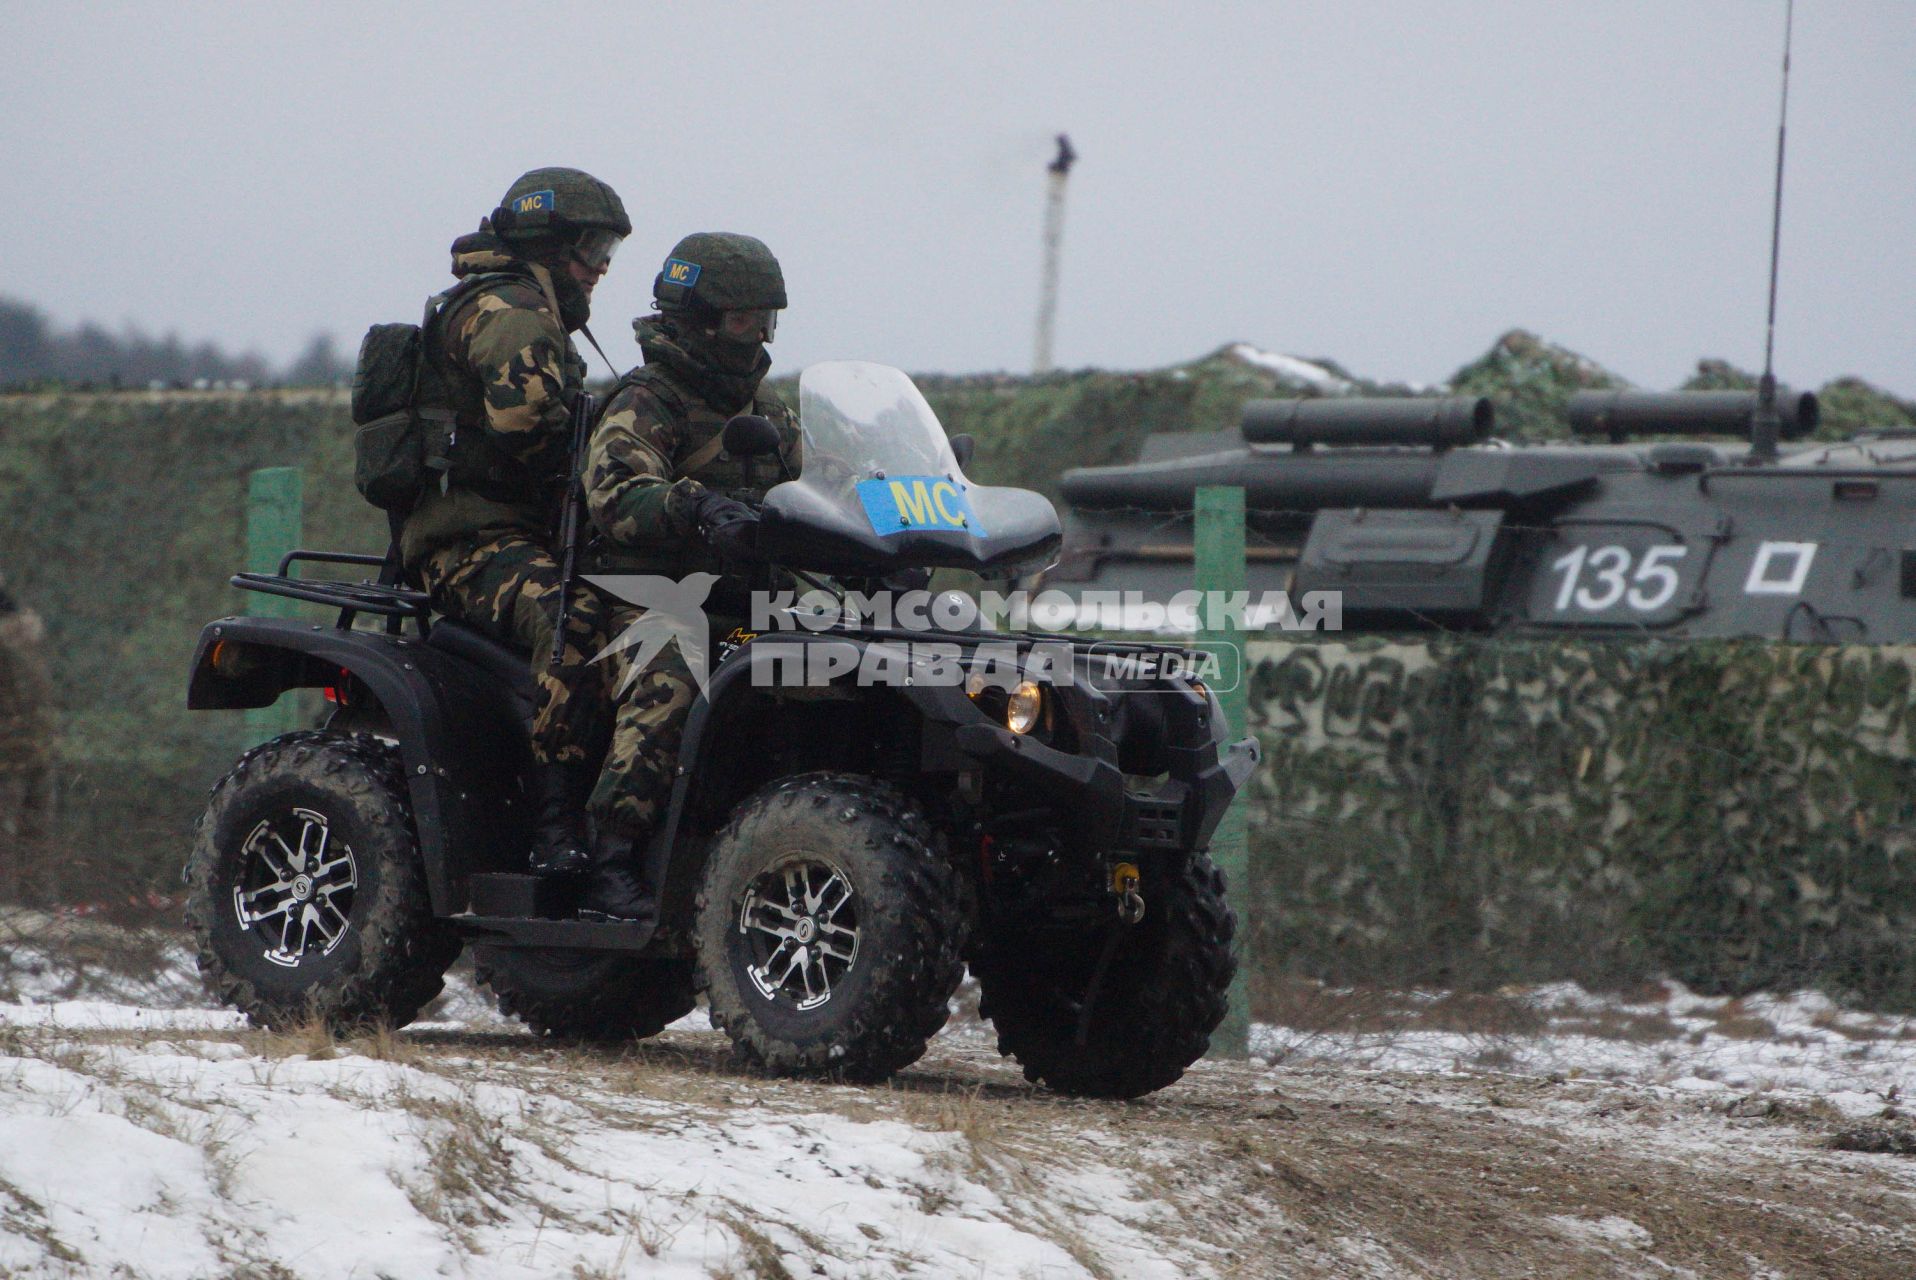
point(728, 526)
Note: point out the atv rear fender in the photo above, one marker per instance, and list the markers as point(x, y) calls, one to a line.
point(461, 737)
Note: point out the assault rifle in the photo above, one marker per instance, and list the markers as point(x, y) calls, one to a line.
point(582, 409)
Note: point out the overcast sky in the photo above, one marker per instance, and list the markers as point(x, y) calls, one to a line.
point(1389, 184)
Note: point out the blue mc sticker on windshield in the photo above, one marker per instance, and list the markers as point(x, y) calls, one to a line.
point(903, 503)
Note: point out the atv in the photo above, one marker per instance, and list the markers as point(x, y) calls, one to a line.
point(837, 847)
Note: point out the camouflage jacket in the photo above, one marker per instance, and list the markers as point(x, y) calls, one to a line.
point(654, 452)
point(501, 359)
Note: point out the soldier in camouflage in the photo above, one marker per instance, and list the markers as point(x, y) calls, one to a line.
point(500, 357)
point(667, 500)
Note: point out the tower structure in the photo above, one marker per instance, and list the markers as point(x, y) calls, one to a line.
point(1056, 174)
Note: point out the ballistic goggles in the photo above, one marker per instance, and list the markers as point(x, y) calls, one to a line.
point(594, 248)
point(755, 325)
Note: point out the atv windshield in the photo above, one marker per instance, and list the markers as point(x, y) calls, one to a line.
point(880, 489)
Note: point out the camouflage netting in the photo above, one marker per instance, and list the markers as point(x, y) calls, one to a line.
point(26, 750)
point(121, 518)
point(1467, 811)
point(1431, 812)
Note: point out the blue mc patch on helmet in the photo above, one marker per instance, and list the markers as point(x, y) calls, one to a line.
point(678, 271)
point(535, 202)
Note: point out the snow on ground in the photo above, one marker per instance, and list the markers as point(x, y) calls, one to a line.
point(184, 1154)
point(1800, 1045)
point(147, 1135)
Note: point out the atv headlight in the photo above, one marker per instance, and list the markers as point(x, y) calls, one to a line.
point(1024, 707)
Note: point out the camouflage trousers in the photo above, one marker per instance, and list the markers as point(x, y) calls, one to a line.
point(508, 589)
point(647, 728)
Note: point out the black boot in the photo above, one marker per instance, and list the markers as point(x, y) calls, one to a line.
point(617, 890)
point(559, 844)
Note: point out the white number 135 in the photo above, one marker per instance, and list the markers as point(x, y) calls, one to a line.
point(1608, 579)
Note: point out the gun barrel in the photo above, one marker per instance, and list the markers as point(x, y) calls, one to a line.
point(583, 409)
point(1271, 482)
point(1622, 414)
point(1433, 422)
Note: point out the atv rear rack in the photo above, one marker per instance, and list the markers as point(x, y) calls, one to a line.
point(394, 603)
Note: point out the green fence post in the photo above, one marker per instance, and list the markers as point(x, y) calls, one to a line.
point(275, 499)
point(1218, 552)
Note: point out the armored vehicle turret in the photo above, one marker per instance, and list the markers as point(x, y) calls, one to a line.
point(1422, 520)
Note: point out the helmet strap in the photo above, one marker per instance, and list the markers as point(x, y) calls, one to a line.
point(544, 276)
point(587, 331)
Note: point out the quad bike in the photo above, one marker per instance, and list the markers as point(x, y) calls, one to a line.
point(836, 849)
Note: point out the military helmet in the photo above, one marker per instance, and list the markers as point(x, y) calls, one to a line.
point(558, 205)
point(715, 271)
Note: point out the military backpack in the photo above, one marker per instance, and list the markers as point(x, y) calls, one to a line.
point(400, 442)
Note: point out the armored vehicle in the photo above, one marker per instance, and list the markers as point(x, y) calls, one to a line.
point(860, 809)
point(1422, 521)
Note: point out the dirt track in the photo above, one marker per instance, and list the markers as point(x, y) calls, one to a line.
point(1329, 1172)
point(1240, 1170)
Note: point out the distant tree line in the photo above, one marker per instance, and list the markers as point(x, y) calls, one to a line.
point(33, 353)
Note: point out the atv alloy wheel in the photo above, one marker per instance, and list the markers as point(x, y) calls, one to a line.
point(829, 930)
point(585, 995)
point(306, 893)
point(1161, 996)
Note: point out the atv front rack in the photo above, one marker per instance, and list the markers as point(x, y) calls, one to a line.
point(394, 603)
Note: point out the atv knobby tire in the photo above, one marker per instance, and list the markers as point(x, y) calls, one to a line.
point(1163, 992)
point(315, 827)
point(858, 990)
point(584, 995)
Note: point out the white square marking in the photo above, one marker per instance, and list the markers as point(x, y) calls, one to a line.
point(1780, 569)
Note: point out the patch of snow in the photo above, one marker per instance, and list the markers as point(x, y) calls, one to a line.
point(41, 970)
point(1798, 1046)
point(171, 1157)
point(1610, 1229)
point(1290, 368)
point(100, 1015)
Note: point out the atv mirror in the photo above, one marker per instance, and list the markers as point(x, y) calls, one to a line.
point(749, 435)
point(963, 445)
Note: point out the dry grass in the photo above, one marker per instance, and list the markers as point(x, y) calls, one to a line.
point(757, 1254)
point(1309, 1010)
point(87, 952)
point(1618, 1024)
point(469, 1167)
point(1305, 1005)
point(14, 1042)
point(311, 1038)
point(1735, 1022)
point(22, 1215)
point(1845, 1025)
point(985, 1128)
point(1876, 1139)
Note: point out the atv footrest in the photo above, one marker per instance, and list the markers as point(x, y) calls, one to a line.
point(544, 897)
point(572, 935)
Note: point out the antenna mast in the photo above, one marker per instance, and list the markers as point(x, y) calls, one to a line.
point(1764, 430)
point(1055, 174)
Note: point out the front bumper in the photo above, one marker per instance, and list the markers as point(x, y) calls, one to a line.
point(1104, 810)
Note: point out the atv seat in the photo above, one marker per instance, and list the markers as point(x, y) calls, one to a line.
point(511, 667)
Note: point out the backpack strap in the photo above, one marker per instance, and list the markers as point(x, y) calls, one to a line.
point(442, 416)
point(661, 389)
point(704, 453)
point(655, 384)
point(391, 570)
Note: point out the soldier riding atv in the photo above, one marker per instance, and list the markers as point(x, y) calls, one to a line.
point(998, 799)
